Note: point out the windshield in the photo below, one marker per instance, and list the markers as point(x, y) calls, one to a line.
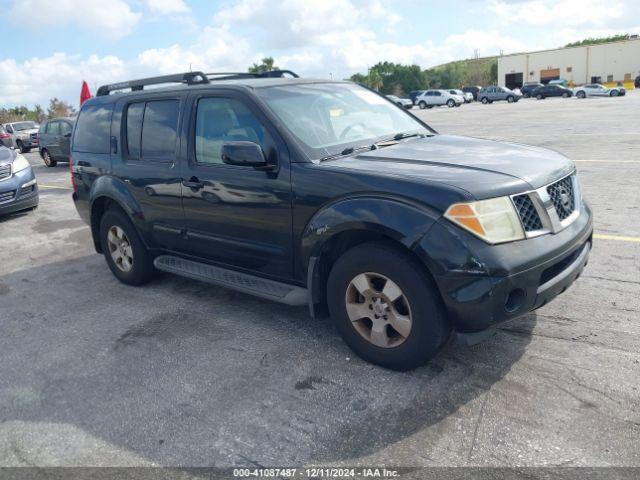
point(327, 118)
point(23, 126)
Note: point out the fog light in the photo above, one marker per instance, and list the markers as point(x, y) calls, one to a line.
point(514, 300)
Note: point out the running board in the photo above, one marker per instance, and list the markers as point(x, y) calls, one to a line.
point(242, 282)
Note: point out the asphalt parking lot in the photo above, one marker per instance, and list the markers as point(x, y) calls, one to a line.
point(93, 372)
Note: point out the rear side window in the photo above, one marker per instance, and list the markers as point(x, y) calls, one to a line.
point(93, 130)
point(53, 128)
point(159, 129)
point(135, 111)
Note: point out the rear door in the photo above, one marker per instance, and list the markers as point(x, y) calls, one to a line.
point(64, 143)
point(53, 138)
point(236, 215)
point(146, 160)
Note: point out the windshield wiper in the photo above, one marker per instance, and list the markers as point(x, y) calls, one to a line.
point(374, 146)
point(348, 151)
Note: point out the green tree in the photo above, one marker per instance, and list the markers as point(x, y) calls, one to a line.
point(267, 64)
point(59, 108)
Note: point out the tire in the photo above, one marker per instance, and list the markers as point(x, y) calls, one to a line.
point(565, 95)
point(511, 99)
point(451, 103)
point(526, 95)
point(422, 105)
point(49, 161)
point(540, 96)
point(484, 100)
point(417, 309)
point(614, 93)
point(581, 94)
point(141, 269)
point(21, 146)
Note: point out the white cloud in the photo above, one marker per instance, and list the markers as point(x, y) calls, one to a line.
point(111, 19)
point(567, 13)
point(167, 7)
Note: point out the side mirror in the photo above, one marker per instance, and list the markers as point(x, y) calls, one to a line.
point(245, 154)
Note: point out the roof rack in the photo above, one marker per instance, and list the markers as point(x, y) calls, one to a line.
point(190, 78)
point(234, 75)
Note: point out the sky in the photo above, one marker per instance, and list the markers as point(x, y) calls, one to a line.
point(50, 46)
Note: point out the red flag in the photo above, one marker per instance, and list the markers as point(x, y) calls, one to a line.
point(85, 94)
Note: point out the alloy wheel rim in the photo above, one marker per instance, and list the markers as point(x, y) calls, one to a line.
point(47, 157)
point(378, 310)
point(120, 249)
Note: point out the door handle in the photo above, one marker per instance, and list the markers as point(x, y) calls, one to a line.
point(193, 183)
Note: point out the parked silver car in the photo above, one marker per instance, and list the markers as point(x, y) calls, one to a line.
point(401, 102)
point(435, 98)
point(23, 135)
point(468, 96)
point(495, 93)
point(598, 90)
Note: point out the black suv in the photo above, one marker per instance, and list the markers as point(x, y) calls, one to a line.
point(326, 194)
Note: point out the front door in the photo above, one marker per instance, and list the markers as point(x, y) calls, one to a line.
point(236, 215)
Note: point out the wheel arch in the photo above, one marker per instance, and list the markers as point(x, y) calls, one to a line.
point(106, 193)
point(354, 221)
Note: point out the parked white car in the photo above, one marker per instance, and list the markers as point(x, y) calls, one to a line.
point(468, 96)
point(435, 98)
point(597, 90)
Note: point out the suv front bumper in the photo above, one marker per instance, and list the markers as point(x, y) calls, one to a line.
point(483, 284)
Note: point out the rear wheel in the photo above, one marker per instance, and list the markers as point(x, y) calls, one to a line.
point(539, 96)
point(48, 159)
point(386, 307)
point(614, 93)
point(565, 95)
point(123, 249)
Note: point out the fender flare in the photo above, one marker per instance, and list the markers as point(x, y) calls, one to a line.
point(402, 220)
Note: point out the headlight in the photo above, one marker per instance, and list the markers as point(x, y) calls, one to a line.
point(494, 220)
point(20, 163)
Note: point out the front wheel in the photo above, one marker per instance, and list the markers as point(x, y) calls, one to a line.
point(422, 105)
point(386, 307)
point(614, 93)
point(565, 95)
point(539, 96)
point(123, 249)
point(451, 103)
point(48, 159)
point(581, 94)
point(484, 100)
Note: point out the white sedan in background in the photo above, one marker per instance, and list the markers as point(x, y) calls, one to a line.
point(401, 102)
point(597, 90)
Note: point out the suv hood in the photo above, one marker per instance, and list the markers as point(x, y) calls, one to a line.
point(484, 168)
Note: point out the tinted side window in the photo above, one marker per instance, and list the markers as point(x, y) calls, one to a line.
point(159, 129)
point(135, 111)
point(93, 129)
point(53, 128)
point(64, 128)
point(219, 120)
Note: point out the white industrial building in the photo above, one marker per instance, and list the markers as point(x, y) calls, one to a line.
point(604, 63)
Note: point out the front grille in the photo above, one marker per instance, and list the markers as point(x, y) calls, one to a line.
point(528, 213)
point(5, 171)
point(6, 196)
point(562, 196)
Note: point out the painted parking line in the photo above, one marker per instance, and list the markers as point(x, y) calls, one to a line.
point(619, 238)
point(54, 187)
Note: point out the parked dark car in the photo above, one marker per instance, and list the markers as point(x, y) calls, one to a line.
point(637, 82)
point(18, 186)
point(473, 90)
point(495, 93)
point(6, 140)
point(552, 91)
point(54, 139)
point(415, 94)
point(528, 88)
point(342, 202)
